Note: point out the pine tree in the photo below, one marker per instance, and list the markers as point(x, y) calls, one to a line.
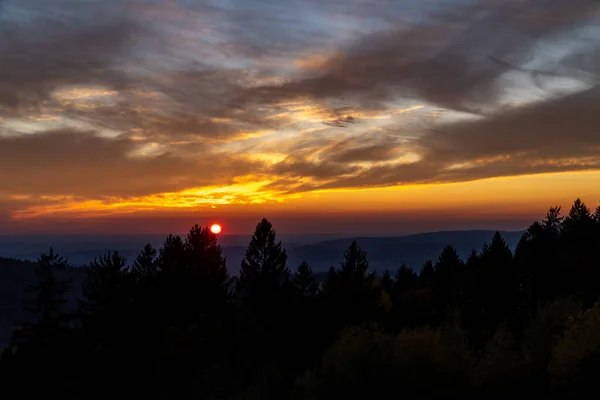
point(497, 278)
point(472, 259)
point(386, 281)
point(205, 256)
point(448, 272)
point(405, 280)
point(45, 301)
point(351, 290)
point(107, 296)
point(146, 262)
point(580, 252)
point(304, 281)
point(553, 220)
point(597, 214)
point(264, 267)
point(354, 268)
point(427, 274)
point(172, 254)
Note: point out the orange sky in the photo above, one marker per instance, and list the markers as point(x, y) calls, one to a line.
point(322, 116)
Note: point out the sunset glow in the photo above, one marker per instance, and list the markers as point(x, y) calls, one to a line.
point(216, 229)
point(299, 120)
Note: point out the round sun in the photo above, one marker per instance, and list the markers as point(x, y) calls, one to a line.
point(216, 229)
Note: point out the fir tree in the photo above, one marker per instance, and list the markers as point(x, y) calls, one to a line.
point(427, 274)
point(448, 272)
point(45, 300)
point(264, 267)
point(304, 281)
point(172, 254)
point(146, 262)
point(405, 279)
point(205, 256)
point(107, 295)
point(386, 281)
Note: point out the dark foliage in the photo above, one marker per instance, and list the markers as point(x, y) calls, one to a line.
point(174, 326)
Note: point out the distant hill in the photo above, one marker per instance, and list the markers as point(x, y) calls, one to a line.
point(391, 252)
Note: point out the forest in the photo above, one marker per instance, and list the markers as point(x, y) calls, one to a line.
point(175, 325)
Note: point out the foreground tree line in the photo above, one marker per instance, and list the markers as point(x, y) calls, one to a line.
point(175, 325)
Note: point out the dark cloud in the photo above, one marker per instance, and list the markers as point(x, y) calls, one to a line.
point(54, 46)
point(454, 59)
point(83, 164)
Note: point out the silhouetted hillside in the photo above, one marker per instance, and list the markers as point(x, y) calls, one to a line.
point(173, 323)
point(391, 252)
point(384, 253)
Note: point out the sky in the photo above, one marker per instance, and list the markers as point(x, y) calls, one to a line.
point(325, 116)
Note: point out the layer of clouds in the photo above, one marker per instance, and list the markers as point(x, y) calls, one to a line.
point(200, 85)
point(81, 164)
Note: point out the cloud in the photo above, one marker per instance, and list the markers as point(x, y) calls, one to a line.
point(81, 164)
point(551, 136)
point(454, 59)
point(44, 46)
point(129, 99)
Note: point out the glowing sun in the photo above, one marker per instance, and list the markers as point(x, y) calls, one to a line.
point(216, 229)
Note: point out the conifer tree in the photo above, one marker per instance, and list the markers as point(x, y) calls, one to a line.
point(427, 274)
point(171, 255)
point(205, 256)
point(264, 268)
point(405, 279)
point(448, 272)
point(45, 300)
point(386, 281)
point(351, 289)
point(146, 262)
point(497, 279)
point(304, 281)
point(106, 296)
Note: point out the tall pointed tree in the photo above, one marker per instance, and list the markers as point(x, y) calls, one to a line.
point(580, 252)
point(597, 214)
point(405, 278)
point(264, 275)
point(45, 301)
point(146, 263)
point(386, 281)
point(171, 255)
point(206, 262)
point(498, 282)
point(427, 274)
point(264, 266)
point(106, 297)
point(351, 289)
point(448, 273)
point(304, 281)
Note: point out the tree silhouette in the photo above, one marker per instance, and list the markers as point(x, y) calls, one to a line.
point(264, 270)
point(146, 262)
point(405, 280)
point(106, 298)
point(578, 235)
point(427, 274)
point(351, 289)
point(447, 285)
point(386, 281)
point(44, 301)
point(304, 282)
point(171, 254)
